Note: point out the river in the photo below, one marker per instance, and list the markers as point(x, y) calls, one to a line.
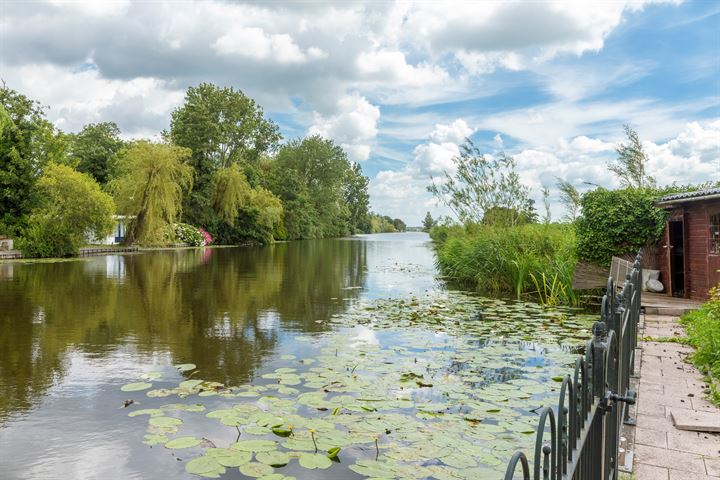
point(72, 333)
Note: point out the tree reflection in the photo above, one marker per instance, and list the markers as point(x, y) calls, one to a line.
point(222, 309)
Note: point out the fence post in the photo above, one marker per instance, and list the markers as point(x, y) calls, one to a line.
point(599, 346)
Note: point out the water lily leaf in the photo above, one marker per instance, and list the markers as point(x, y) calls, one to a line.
point(273, 458)
point(204, 466)
point(183, 442)
point(153, 412)
point(255, 469)
point(165, 421)
point(135, 387)
point(333, 452)
point(276, 476)
point(281, 431)
point(190, 384)
point(155, 439)
point(254, 445)
point(314, 460)
point(185, 367)
point(229, 457)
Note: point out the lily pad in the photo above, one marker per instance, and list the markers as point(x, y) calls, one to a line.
point(204, 466)
point(273, 458)
point(165, 421)
point(185, 367)
point(254, 445)
point(255, 469)
point(135, 387)
point(183, 442)
point(314, 460)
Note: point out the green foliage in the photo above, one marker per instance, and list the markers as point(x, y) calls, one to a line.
point(151, 179)
point(357, 199)
point(231, 193)
point(309, 176)
point(526, 260)
point(703, 328)
point(95, 149)
point(188, 234)
point(27, 142)
point(73, 208)
point(428, 222)
point(570, 198)
point(630, 164)
point(481, 184)
point(618, 222)
point(385, 224)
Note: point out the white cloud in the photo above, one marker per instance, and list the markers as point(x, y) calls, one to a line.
point(255, 43)
point(354, 126)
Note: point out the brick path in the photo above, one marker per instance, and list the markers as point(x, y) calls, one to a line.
point(661, 452)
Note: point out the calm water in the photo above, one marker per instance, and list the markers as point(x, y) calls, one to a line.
point(71, 333)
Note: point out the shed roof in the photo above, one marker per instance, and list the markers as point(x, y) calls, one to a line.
point(678, 198)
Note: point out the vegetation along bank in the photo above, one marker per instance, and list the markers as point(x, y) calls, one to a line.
point(220, 174)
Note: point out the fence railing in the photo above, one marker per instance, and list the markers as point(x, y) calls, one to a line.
point(584, 429)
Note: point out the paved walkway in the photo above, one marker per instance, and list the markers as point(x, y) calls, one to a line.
point(667, 381)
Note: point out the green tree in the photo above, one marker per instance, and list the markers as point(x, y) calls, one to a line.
point(95, 149)
point(27, 142)
point(630, 166)
point(570, 198)
point(618, 222)
point(482, 183)
point(221, 126)
point(232, 192)
point(399, 225)
point(357, 199)
point(317, 169)
point(149, 187)
point(428, 222)
point(73, 209)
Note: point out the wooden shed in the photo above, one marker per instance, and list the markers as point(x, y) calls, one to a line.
point(688, 256)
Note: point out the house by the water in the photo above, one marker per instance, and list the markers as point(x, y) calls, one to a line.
point(688, 254)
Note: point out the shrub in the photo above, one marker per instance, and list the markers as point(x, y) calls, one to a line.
point(618, 222)
point(703, 328)
point(73, 208)
point(521, 261)
point(188, 234)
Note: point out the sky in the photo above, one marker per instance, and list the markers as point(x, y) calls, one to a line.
point(400, 85)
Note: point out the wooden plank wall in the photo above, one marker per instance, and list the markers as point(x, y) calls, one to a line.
point(696, 252)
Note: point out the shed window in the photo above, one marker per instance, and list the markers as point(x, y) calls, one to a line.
point(715, 234)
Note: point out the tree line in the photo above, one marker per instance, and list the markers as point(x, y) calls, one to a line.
point(222, 166)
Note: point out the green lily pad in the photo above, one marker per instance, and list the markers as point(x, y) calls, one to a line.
point(273, 458)
point(135, 387)
point(254, 445)
point(313, 460)
point(255, 469)
point(185, 367)
point(204, 466)
point(183, 442)
point(165, 421)
point(333, 452)
point(228, 457)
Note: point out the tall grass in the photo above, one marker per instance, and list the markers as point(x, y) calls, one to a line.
point(524, 261)
point(703, 329)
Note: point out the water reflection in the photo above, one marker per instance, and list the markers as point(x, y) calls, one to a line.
point(224, 309)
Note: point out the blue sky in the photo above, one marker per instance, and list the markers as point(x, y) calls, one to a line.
point(398, 84)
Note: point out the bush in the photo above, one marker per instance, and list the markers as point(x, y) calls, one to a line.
point(73, 209)
point(188, 234)
point(703, 328)
point(527, 260)
point(618, 222)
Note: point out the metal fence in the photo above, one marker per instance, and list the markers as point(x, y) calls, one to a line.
point(584, 428)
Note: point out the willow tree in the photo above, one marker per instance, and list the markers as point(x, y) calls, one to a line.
point(149, 187)
point(232, 191)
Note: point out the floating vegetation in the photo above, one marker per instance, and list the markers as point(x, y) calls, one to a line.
point(445, 386)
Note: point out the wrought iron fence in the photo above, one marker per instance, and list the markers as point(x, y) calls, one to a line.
point(584, 428)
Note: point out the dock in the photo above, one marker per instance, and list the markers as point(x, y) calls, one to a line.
point(660, 304)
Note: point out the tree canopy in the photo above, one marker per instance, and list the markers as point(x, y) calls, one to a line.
point(149, 188)
point(630, 166)
point(95, 149)
point(483, 183)
point(72, 210)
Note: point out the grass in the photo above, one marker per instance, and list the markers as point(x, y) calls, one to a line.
point(533, 260)
point(703, 329)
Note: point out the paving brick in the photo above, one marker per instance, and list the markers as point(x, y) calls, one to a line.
point(661, 457)
point(653, 438)
point(644, 471)
point(712, 465)
point(681, 475)
point(694, 442)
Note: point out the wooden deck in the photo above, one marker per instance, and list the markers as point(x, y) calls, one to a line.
point(661, 304)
